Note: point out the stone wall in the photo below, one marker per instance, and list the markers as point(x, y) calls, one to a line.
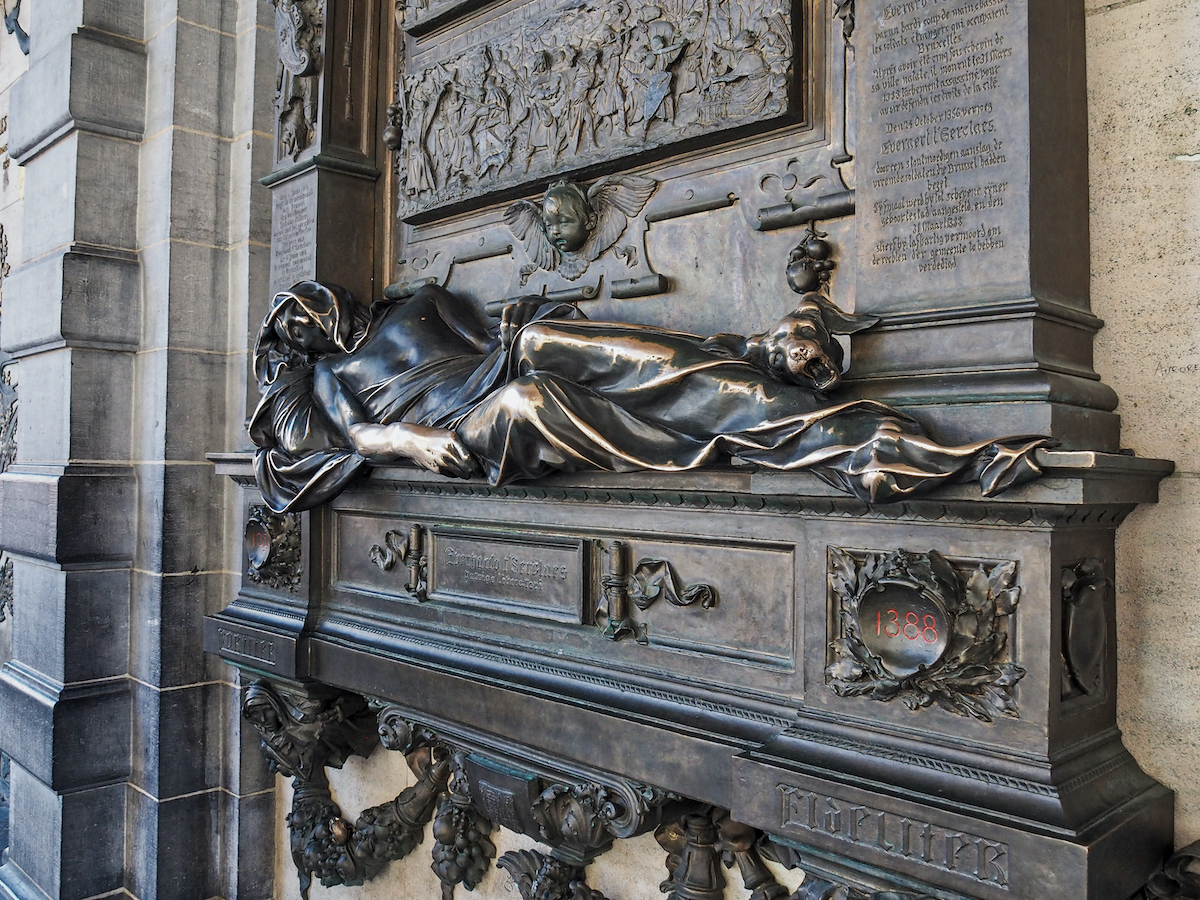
point(1144, 95)
point(12, 180)
point(134, 131)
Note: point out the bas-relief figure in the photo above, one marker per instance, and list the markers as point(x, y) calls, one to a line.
point(298, 27)
point(573, 227)
point(585, 84)
point(429, 380)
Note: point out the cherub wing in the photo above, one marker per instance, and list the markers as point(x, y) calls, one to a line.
point(525, 220)
point(615, 200)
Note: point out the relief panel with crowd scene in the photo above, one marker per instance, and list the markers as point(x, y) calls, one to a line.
point(546, 88)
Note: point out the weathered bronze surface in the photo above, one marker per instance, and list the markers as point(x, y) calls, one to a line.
point(610, 623)
point(912, 627)
point(428, 381)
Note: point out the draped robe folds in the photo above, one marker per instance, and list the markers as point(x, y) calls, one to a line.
point(576, 395)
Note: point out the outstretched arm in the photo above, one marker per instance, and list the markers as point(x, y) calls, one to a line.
point(437, 449)
point(337, 401)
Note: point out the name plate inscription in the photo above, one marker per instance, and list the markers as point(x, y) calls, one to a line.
point(529, 575)
point(249, 646)
point(976, 858)
point(293, 232)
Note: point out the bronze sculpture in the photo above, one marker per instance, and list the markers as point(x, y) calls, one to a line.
point(573, 227)
point(430, 381)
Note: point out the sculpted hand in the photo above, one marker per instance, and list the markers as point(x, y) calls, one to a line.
point(436, 449)
point(516, 316)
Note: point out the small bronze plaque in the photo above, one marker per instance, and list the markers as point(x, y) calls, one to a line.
point(531, 575)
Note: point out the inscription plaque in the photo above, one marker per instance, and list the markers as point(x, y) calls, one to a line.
point(527, 575)
point(977, 858)
point(906, 628)
point(942, 149)
point(293, 232)
point(246, 645)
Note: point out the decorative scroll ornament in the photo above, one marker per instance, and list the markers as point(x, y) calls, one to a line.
point(572, 227)
point(577, 85)
point(1179, 878)
point(410, 551)
point(1084, 627)
point(272, 545)
point(652, 580)
point(298, 28)
point(912, 628)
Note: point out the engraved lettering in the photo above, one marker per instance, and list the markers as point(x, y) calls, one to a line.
point(508, 570)
point(970, 856)
point(246, 645)
point(881, 840)
point(857, 815)
point(293, 234)
point(799, 807)
point(941, 173)
point(525, 575)
point(956, 843)
point(993, 864)
point(831, 820)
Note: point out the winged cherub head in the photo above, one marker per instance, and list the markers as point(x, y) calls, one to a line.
point(573, 226)
point(567, 216)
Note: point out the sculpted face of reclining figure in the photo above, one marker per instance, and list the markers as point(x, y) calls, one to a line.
point(430, 381)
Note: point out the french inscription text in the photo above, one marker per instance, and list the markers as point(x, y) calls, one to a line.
point(293, 234)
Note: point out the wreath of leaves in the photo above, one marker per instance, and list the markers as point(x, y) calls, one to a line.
point(970, 678)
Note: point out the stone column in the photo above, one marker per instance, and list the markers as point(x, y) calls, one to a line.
point(68, 513)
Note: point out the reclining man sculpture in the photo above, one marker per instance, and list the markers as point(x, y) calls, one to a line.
point(429, 380)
